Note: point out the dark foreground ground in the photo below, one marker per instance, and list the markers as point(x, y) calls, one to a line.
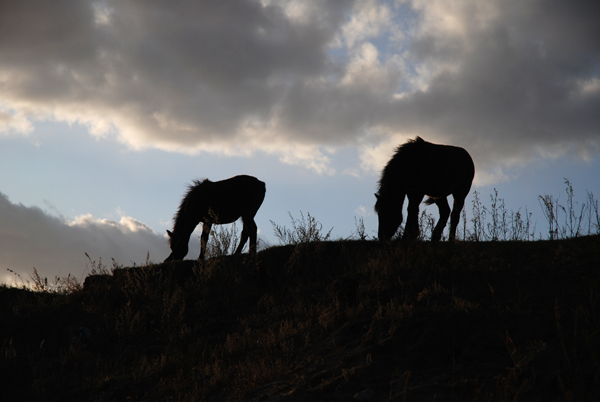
point(333, 321)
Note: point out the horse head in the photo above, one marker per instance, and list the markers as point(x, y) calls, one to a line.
point(179, 247)
point(389, 215)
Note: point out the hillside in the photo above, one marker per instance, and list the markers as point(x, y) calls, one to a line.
point(322, 321)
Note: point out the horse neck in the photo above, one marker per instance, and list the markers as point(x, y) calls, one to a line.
point(184, 228)
point(393, 192)
point(187, 219)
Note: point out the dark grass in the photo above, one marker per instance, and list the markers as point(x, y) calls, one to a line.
point(318, 321)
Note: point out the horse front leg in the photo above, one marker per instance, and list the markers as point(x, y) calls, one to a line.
point(411, 231)
point(206, 227)
point(444, 208)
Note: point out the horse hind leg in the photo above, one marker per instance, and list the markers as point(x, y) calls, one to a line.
point(444, 209)
point(459, 202)
point(250, 229)
point(243, 239)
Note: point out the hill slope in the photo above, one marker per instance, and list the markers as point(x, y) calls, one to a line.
point(319, 321)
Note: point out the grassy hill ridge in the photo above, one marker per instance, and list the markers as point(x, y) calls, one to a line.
point(479, 321)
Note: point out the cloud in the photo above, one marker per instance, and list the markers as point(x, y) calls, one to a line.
point(29, 237)
point(509, 80)
point(369, 19)
point(363, 211)
point(14, 123)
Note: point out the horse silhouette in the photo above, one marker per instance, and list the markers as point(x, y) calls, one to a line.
point(219, 202)
point(420, 168)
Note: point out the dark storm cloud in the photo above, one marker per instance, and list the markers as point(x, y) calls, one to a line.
point(162, 72)
point(513, 80)
point(524, 83)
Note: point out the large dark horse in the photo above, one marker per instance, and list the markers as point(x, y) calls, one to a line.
point(217, 203)
point(420, 168)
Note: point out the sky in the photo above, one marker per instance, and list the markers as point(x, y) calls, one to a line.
point(109, 109)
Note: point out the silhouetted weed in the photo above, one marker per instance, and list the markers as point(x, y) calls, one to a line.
point(320, 320)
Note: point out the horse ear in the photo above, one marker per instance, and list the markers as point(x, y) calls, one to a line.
point(170, 234)
point(376, 196)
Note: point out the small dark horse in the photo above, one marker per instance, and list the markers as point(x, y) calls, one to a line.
point(217, 203)
point(421, 168)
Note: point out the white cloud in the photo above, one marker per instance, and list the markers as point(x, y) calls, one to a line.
point(30, 237)
point(364, 211)
point(368, 20)
point(102, 14)
point(14, 123)
point(378, 148)
point(366, 73)
point(586, 88)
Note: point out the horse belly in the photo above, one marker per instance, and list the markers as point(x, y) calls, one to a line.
point(442, 177)
point(237, 197)
point(225, 215)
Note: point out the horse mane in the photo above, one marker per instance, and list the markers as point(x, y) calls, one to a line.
point(194, 191)
point(405, 154)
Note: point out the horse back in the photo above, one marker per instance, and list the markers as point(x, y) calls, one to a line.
point(447, 169)
point(432, 169)
point(238, 196)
